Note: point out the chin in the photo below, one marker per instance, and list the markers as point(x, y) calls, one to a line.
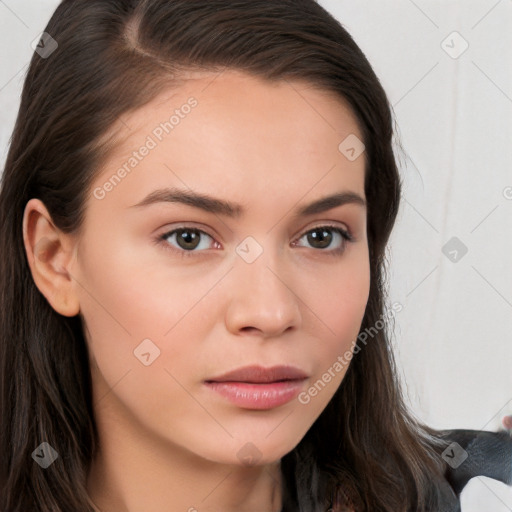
point(250, 452)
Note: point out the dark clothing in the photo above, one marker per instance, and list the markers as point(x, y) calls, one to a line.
point(471, 453)
point(476, 453)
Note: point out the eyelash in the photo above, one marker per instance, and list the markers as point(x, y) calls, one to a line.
point(345, 235)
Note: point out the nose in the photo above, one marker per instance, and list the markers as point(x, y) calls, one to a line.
point(263, 301)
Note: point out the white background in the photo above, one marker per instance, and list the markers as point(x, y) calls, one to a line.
point(453, 337)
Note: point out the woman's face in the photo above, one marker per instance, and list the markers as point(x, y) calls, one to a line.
point(253, 283)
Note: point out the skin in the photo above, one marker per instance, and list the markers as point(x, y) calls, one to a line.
point(167, 442)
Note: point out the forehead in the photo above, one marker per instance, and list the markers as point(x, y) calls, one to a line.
point(230, 127)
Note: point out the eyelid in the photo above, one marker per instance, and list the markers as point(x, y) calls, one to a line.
point(326, 224)
point(186, 225)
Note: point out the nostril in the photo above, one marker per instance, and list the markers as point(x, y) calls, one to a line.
point(248, 329)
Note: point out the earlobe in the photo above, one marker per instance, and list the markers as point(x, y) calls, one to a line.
point(49, 254)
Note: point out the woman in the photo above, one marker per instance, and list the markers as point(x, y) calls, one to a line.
point(194, 212)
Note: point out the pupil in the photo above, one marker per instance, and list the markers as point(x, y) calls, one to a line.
point(189, 237)
point(321, 236)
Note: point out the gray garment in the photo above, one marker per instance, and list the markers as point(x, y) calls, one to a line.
point(479, 453)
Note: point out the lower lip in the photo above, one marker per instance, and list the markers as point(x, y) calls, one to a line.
point(258, 396)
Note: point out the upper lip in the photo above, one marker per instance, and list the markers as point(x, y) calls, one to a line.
point(260, 374)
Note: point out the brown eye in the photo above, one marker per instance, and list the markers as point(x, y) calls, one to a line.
point(186, 240)
point(323, 237)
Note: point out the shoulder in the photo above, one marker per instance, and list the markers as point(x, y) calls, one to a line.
point(474, 453)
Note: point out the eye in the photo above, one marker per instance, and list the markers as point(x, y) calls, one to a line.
point(321, 237)
point(186, 240)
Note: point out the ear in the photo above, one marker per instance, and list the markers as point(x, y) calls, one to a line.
point(50, 254)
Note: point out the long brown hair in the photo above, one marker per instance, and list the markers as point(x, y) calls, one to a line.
point(366, 450)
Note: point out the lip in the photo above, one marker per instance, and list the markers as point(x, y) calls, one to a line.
point(259, 374)
point(256, 387)
point(248, 395)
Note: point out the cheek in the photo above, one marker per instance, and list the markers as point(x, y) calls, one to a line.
point(125, 301)
point(133, 319)
point(338, 303)
point(339, 297)
point(348, 307)
point(130, 308)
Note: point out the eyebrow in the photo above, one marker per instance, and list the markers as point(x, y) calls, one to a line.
point(222, 207)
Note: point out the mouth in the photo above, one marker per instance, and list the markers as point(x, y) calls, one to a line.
point(255, 387)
